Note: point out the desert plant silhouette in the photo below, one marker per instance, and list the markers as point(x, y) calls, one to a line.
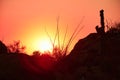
point(36, 53)
point(114, 29)
point(16, 47)
point(101, 30)
point(61, 50)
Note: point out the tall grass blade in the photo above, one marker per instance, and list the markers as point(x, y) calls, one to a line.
point(72, 36)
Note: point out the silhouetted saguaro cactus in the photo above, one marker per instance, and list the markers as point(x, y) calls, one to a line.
point(101, 30)
point(102, 18)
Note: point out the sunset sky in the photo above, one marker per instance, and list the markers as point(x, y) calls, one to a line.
point(25, 20)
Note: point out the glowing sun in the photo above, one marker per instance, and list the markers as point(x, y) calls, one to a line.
point(43, 45)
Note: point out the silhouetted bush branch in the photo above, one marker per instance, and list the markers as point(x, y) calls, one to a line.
point(36, 53)
point(16, 47)
point(114, 28)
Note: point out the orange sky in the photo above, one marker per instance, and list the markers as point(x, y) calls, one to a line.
point(25, 20)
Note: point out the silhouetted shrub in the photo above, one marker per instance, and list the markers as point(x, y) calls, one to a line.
point(58, 54)
point(114, 29)
point(16, 47)
point(36, 53)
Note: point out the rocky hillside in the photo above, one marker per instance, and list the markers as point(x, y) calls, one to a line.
point(95, 57)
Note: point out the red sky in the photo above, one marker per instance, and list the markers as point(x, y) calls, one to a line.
point(25, 20)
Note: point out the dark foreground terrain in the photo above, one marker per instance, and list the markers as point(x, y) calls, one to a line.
point(95, 57)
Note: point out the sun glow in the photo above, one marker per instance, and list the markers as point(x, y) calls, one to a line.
point(43, 45)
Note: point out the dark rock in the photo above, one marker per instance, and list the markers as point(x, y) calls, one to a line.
point(3, 48)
